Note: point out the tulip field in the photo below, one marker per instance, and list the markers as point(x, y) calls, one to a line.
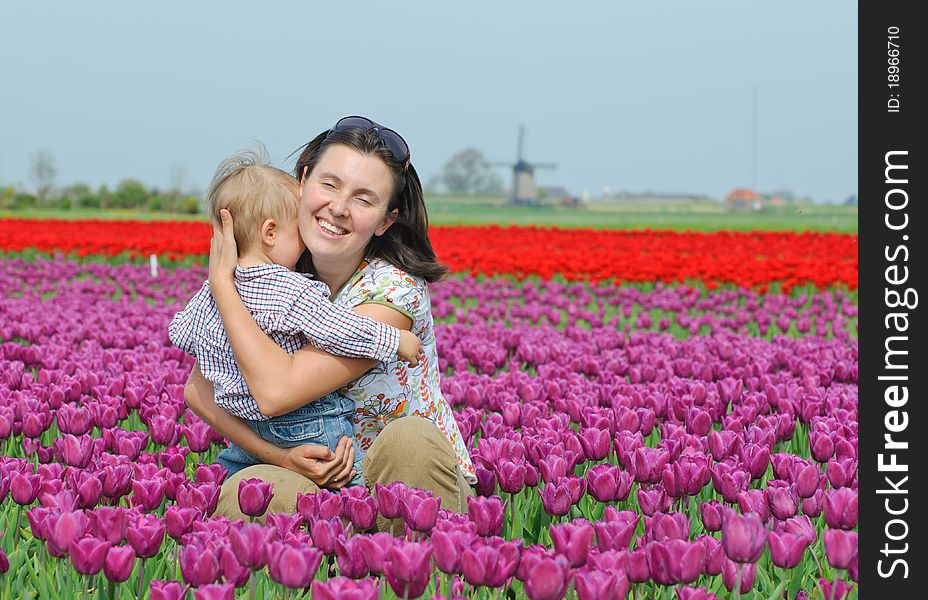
point(652, 414)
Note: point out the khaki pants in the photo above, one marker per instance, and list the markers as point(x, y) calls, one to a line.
point(410, 449)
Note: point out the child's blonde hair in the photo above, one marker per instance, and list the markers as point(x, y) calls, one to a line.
point(253, 191)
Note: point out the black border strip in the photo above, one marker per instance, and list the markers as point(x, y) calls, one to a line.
point(892, 265)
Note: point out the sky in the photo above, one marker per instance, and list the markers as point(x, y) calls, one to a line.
point(633, 96)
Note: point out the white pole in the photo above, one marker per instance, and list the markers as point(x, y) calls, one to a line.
point(153, 263)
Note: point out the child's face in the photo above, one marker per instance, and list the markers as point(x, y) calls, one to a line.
point(289, 245)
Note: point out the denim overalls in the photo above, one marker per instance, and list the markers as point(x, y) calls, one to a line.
point(323, 423)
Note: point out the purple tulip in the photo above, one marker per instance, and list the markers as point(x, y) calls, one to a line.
point(73, 419)
point(724, 443)
point(292, 564)
point(231, 569)
point(214, 472)
point(349, 554)
point(556, 498)
point(163, 430)
point(487, 514)
point(660, 563)
point(595, 443)
point(24, 487)
point(617, 533)
point(89, 490)
point(407, 569)
point(119, 563)
point(663, 526)
point(548, 580)
point(689, 559)
point(822, 446)
point(145, 533)
point(254, 496)
point(783, 500)
point(68, 527)
point(486, 481)
point(807, 480)
point(730, 570)
point(653, 501)
point(117, 480)
point(695, 593)
point(841, 472)
point(715, 554)
point(711, 513)
point(573, 541)
point(307, 505)
point(490, 562)
point(75, 451)
point(603, 482)
point(325, 532)
point(834, 590)
point(447, 549)
point(510, 473)
point(88, 554)
point(755, 501)
point(250, 543)
point(148, 494)
point(840, 548)
point(362, 512)
point(202, 496)
point(595, 584)
point(813, 505)
point(648, 464)
point(342, 588)
point(167, 590)
point(743, 536)
point(199, 565)
point(375, 549)
point(215, 591)
point(109, 523)
point(198, 435)
point(179, 520)
point(285, 524)
point(799, 526)
point(841, 508)
point(390, 499)
point(786, 549)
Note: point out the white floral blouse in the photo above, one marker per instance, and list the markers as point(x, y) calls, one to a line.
point(391, 390)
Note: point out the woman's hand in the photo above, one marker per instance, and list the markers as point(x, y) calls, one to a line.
point(322, 466)
point(223, 252)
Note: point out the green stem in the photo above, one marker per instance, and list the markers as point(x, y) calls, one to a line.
point(141, 577)
point(252, 585)
point(19, 523)
point(738, 582)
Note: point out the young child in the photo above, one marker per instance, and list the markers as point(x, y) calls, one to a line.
point(291, 308)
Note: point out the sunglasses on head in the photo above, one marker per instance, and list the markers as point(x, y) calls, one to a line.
point(391, 140)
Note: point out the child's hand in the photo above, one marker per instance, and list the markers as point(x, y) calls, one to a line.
point(410, 347)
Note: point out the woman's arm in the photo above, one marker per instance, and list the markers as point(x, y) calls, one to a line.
point(318, 463)
point(280, 382)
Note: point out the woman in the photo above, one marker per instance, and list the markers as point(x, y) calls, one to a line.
point(364, 223)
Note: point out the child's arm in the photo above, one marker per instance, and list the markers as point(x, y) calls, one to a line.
point(183, 327)
point(341, 331)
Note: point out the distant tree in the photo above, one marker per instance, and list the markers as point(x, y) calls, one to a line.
point(130, 193)
point(42, 172)
point(468, 172)
point(79, 195)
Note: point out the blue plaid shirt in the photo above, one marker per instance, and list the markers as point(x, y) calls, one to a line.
point(293, 310)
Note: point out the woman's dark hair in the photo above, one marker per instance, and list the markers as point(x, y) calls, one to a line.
point(406, 243)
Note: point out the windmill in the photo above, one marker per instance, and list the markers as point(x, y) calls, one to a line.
point(523, 175)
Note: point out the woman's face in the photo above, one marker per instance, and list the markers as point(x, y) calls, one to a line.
point(344, 203)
